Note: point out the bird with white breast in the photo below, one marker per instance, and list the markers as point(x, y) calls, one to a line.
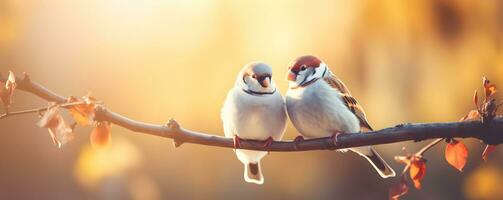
point(254, 109)
point(320, 105)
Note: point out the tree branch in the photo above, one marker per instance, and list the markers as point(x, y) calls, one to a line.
point(490, 132)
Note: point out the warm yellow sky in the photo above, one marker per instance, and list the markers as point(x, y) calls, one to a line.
point(405, 61)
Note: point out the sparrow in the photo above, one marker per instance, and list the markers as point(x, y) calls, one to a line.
point(254, 109)
point(320, 105)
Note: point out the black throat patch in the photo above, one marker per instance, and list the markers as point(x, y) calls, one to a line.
point(255, 93)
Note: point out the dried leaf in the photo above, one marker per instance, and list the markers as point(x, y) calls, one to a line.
point(50, 117)
point(396, 191)
point(100, 136)
point(59, 131)
point(487, 151)
point(471, 116)
point(489, 109)
point(83, 114)
point(476, 99)
point(489, 88)
point(7, 90)
point(11, 78)
point(456, 154)
point(417, 171)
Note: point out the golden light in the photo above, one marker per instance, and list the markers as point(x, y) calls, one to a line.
point(116, 159)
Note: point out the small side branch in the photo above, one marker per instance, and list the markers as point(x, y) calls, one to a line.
point(39, 110)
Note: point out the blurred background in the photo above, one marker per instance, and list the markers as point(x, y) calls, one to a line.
point(405, 61)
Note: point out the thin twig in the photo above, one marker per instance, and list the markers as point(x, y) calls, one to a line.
point(429, 146)
point(38, 110)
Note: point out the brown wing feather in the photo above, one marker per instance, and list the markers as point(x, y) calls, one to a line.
point(350, 102)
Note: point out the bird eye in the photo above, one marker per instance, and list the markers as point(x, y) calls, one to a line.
point(254, 76)
point(302, 68)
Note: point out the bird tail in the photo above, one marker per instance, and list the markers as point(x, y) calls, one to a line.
point(379, 164)
point(253, 173)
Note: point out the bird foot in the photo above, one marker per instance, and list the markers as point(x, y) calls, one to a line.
point(297, 140)
point(237, 142)
point(268, 142)
point(334, 137)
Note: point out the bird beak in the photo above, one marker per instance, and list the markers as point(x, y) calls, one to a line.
point(265, 82)
point(291, 76)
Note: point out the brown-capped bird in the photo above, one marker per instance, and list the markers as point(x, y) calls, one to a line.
point(320, 105)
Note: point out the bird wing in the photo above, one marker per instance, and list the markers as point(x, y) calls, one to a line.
point(350, 101)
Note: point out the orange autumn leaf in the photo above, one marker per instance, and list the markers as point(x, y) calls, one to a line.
point(476, 98)
point(398, 190)
point(487, 151)
point(83, 114)
point(100, 136)
point(59, 131)
point(456, 154)
point(417, 171)
point(417, 184)
point(416, 165)
point(489, 88)
point(7, 90)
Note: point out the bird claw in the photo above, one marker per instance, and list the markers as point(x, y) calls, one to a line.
point(334, 137)
point(268, 142)
point(297, 140)
point(237, 142)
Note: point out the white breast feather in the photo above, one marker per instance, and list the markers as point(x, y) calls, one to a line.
point(319, 111)
point(253, 117)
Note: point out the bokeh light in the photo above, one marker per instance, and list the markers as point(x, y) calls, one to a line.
point(405, 61)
